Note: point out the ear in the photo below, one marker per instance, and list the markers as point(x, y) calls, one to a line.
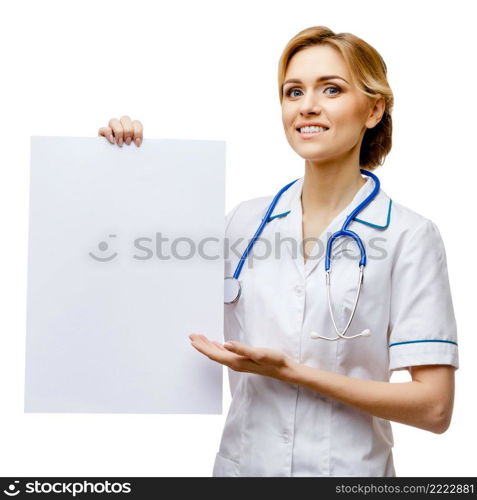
point(376, 112)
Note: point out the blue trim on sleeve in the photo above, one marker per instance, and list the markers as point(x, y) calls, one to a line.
point(375, 225)
point(284, 214)
point(414, 341)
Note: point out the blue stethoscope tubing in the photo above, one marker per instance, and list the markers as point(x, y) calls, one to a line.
point(233, 289)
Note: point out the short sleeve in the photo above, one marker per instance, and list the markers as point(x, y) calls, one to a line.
point(422, 327)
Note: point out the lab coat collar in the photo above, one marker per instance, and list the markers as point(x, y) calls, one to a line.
point(374, 218)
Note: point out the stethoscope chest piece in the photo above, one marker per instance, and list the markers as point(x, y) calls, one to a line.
point(232, 290)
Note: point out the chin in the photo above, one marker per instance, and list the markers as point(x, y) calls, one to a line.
point(311, 154)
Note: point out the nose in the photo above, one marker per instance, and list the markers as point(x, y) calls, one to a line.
point(310, 104)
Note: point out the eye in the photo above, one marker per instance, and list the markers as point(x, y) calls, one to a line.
point(288, 93)
point(333, 87)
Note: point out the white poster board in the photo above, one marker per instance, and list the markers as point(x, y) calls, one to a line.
point(125, 260)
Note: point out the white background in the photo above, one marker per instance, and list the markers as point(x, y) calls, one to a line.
point(208, 70)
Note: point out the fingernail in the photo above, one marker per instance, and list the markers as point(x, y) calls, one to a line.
point(128, 141)
point(138, 141)
point(228, 344)
point(111, 138)
point(120, 142)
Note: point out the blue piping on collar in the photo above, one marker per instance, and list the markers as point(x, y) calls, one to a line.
point(375, 225)
point(284, 214)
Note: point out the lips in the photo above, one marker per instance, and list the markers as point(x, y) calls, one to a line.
point(310, 135)
point(301, 125)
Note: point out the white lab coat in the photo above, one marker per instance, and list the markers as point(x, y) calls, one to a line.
point(274, 428)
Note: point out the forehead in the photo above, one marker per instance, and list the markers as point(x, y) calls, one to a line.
point(313, 62)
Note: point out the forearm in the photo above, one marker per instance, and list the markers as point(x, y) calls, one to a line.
point(408, 403)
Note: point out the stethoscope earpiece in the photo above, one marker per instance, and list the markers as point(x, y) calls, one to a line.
point(364, 333)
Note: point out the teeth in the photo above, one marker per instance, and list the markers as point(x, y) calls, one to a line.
point(308, 130)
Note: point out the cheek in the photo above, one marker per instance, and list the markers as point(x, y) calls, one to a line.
point(344, 113)
point(288, 119)
point(287, 116)
point(349, 122)
point(347, 110)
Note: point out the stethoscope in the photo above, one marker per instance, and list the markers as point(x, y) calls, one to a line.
point(233, 289)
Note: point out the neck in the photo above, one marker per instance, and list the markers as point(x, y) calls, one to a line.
point(328, 189)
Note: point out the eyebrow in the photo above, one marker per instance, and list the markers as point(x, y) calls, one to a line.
point(321, 79)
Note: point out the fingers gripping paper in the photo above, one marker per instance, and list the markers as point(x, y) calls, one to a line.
point(125, 260)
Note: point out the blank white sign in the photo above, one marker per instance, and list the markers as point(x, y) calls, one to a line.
point(125, 261)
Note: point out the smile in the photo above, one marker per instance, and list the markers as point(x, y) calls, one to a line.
point(310, 135)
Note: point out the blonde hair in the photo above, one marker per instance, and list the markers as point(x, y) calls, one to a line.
point(369, 74)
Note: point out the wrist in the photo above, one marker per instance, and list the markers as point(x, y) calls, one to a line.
point(290, 371)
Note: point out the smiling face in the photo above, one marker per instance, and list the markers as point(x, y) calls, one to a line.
point(335, 103)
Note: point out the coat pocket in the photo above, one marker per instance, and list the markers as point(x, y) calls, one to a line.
point(224, 467)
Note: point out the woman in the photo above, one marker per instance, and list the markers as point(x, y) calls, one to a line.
point(303, 404)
